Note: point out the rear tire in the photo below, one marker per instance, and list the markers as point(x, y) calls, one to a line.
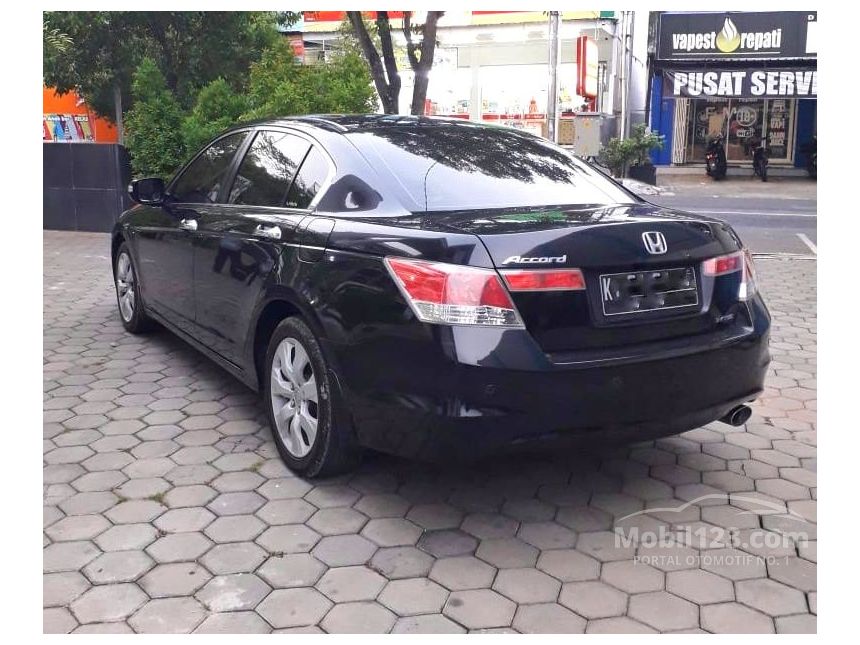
point(128, 299)
point(309, 422)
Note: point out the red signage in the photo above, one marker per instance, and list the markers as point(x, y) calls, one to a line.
point(297, 44)
point(586, 67)
point(338, 16)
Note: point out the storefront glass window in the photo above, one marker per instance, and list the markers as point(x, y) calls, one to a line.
point(741, 121)
point(780, 118)
point(708, 118)
point(746, 120)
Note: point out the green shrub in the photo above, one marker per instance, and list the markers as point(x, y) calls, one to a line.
point(159, 135)
point(279, 86)
point(216, 107)
point(153, 125)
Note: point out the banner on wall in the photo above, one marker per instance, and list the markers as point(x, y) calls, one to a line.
point(741, 83)
point(66, 127)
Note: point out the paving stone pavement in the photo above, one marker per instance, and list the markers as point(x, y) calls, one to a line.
point(167, 509)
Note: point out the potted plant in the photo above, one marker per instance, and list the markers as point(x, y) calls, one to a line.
point(643, 142)
point(631, 157)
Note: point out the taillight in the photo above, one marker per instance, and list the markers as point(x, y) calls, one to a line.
point(723, 264)
point(544, 279)
point(450, 294)
point(748, 283)
point(740, 261)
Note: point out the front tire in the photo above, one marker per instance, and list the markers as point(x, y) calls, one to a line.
point(309, 425)
point(128, 300)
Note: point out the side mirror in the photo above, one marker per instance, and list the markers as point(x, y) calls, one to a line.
point(149, 191)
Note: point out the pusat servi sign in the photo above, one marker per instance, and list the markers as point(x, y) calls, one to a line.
point(741, 83)
point(762, 34)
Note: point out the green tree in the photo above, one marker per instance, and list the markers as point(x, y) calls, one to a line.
point(154, 124)
point(192, 49)
point(54, 41)
point(278, 86)
point(216, 108)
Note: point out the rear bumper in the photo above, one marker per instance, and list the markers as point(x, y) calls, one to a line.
point(463, 392)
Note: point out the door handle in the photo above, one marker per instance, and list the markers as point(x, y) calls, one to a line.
point(273, 232)
point(188, 224)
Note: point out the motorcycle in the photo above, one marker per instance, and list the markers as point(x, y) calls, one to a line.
point(759, 155)
point(715, 158)
point(810, 149)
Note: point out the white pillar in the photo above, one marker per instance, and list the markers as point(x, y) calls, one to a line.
point(475, 110)
point(552, 93)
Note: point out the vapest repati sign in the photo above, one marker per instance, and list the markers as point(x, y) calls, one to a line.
point(741, 83)
point(766, 34)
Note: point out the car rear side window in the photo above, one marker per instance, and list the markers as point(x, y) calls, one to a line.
point(268, 168)
point(201, 181)
point(312, 175)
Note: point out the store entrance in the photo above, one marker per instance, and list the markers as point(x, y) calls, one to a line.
point(741, 121)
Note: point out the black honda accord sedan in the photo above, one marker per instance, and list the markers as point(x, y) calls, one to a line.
point(437, 289)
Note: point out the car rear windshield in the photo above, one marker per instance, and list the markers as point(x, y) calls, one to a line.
point(445, 167)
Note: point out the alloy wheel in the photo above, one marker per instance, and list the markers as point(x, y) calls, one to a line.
point(294, 397)
point(125, 286)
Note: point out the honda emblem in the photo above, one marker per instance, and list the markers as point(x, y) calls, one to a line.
point(655, 242)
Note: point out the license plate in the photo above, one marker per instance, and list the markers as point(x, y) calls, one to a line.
point(636, 292)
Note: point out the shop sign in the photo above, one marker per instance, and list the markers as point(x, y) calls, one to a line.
point(765, 34)
point(741, 83)
point(586, 67)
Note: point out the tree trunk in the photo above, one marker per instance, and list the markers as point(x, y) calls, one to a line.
point(117, 110)
point(377, 71)
point(422, 69)
point(384, 28)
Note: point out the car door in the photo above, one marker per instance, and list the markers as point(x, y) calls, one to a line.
point(242, 241)
point(164, 245)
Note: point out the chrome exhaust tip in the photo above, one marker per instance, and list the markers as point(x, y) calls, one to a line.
point(737, 416)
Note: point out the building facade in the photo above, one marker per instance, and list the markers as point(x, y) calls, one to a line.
point(750, 76)
point(493, 65)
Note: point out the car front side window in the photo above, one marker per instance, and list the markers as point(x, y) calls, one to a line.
point(201, 181)
point(269, 166)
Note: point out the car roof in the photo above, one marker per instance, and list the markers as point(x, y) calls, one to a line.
point(348, 123)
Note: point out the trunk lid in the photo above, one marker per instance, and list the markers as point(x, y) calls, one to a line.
point(611, 243)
